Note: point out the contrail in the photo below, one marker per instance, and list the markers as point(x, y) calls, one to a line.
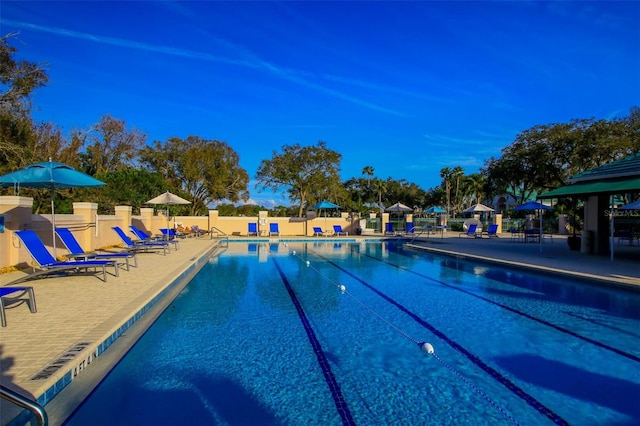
point(254, 62)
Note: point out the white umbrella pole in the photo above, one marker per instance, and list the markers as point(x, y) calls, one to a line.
point(541, 234)
point(611, 219)
point(53, 223)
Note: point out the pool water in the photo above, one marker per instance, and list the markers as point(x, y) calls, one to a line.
point(261, 337)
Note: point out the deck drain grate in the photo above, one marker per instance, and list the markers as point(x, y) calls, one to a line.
point(64, 359)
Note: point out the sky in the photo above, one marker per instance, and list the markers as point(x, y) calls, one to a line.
point(406, 87)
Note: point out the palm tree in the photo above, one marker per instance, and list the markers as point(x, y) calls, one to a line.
point(381, 187)
point(475, 187)
point(368, 171)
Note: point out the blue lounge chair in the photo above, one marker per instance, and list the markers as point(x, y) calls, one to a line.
point(273, 229)
point(76, 251)
point(471, 231)
point(171, 234)
point(492, 231)
point(144, 237)
point(388, 229)
point(14, 295)
point(253, 229)
point(49, 265)
point(317, 231)
point(337, 229)
point(141, 245)
point(410, 230)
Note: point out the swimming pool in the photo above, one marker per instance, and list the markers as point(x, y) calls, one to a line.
point(261, 337)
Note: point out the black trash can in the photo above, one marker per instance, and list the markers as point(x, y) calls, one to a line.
point(587, 242)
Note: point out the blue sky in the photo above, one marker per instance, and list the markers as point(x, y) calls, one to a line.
point(405, 87)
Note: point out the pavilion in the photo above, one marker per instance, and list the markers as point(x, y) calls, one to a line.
point(598, 187)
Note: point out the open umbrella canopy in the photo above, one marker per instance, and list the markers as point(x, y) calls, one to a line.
point(398, 207)
point(168, 198)
point(631, 206)
point(532, 205)
point(325, 205)
point(49, 175)
point(478, 208)
point(435, 209)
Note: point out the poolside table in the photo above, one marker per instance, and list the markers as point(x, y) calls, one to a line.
point(532, 235)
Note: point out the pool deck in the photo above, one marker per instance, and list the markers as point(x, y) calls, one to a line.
point(79, 316)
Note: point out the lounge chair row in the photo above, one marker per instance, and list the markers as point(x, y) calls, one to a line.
point(473, 231)
point(337, 231)
point(274, 230)
point(253, 229)
point(78, 260)
point(409, 231)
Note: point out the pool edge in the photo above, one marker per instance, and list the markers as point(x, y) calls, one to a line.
point(63, 397)
point(567, 274)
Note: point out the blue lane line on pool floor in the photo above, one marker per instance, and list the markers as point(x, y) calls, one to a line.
point(334, 387)
point(515, 311)
point(540, 407)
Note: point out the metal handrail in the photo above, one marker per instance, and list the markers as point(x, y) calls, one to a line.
point(422, 231)
point(26, 403)
point(218, 231)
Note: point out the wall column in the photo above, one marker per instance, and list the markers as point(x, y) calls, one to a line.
point(385, 220)
point(213, 219)
point(590, 225)
point(88, 211)
point(497, 220)
point(563, 224)
point(146, 214)
point(124, 213)
point(263, 218)
point(16, 211)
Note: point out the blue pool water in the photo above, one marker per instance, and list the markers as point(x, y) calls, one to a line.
point(260, 337)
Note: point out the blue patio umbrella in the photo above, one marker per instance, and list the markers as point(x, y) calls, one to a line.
point(532, 205)
point(48, 175)
point(435, 209)
point(631, 206)
point(325, 205)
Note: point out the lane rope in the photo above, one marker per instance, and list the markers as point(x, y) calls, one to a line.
point(424, 346)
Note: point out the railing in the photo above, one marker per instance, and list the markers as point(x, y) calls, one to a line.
point(218, 231)
point(26, 403)
point(428, 229)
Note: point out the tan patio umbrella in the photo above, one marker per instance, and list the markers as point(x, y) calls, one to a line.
point(168, 199)
point(478, 208)
point(398, 208)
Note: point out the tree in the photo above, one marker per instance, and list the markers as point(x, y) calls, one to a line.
point(206, 170)
point(110, 146)
point(380, 187)
point(359, 195)
point(451, 183)
point(474, 188)
point(546, 156)
point(308, 173)
point(128, 187)
point(368, 172)
point(18, 79)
